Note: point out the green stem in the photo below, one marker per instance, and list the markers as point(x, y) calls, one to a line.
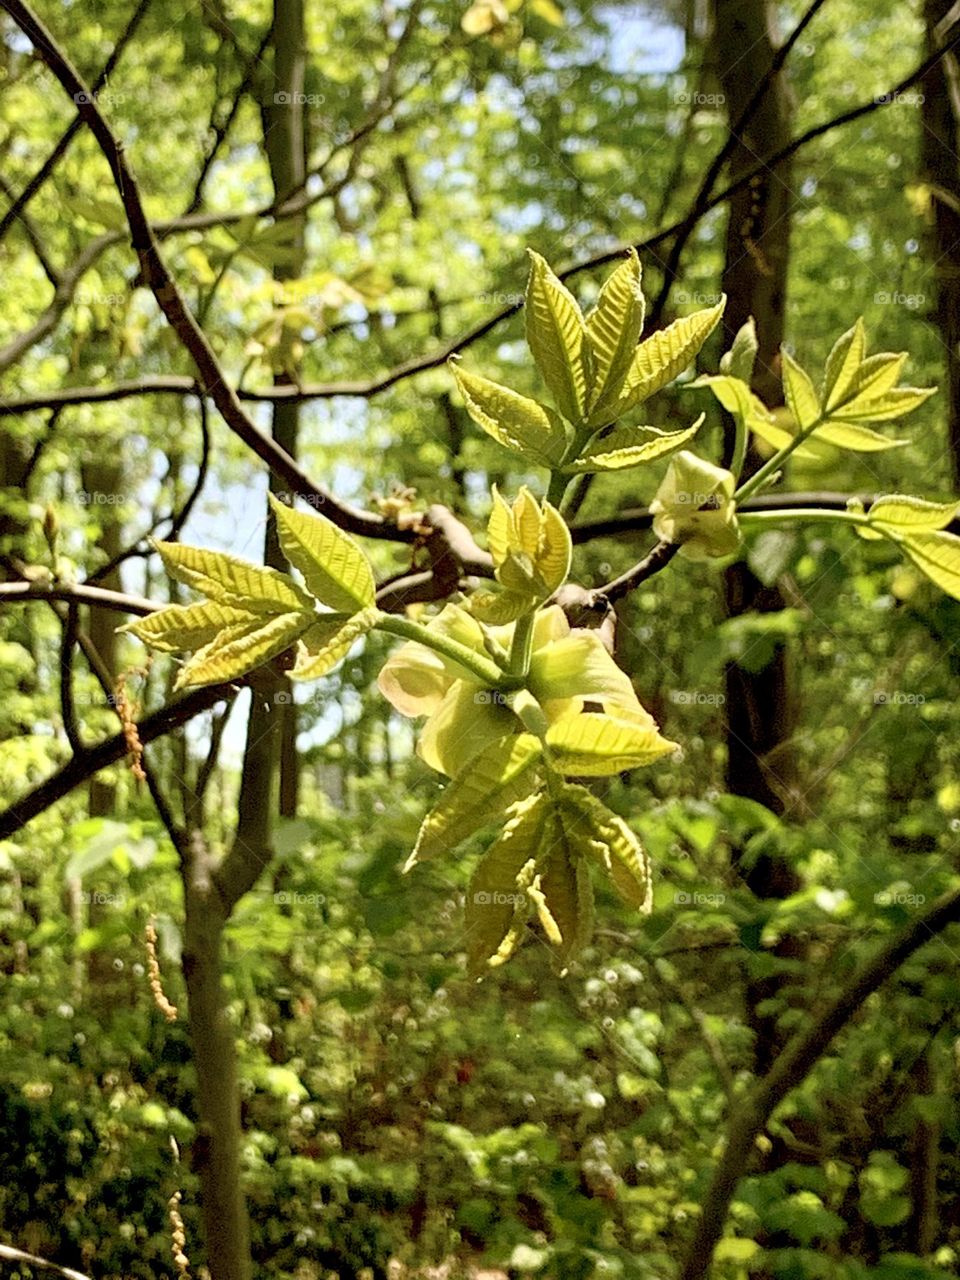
point(485, 669)
point(808, 514)
point(522, 646)
point(739, 445)
point(776, 462)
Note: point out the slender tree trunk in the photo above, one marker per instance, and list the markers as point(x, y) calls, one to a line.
point(759, 706)
point(216, 1152)
point(272, 728)
point(939, 143)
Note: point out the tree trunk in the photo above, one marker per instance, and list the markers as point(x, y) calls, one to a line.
point(216, 1151)
point(759, 706)
point(939, 142)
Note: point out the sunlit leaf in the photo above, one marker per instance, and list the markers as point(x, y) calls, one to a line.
point(496, 905)
point(186, 627)
point(843, 364)
point(660, 358)
point(556, 336)
point(936, 554)
point(799, 393)
point(328, 641)
point(602, 835)
point(231, 581)
point(334, 568)
point(243, 648)
point(501, 774)
point(513, 420)
point(630, 447)
point(613, 330)
point(592, 745)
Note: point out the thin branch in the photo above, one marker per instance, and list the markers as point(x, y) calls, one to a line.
point(658, 558)
point(17, 1255)
point(791, 1068)
point(33, 236)
point(77, 593)
point(68, 709)
point(222, 129)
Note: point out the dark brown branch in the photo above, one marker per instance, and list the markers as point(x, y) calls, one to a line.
point(791, 1068)
point(657, 559)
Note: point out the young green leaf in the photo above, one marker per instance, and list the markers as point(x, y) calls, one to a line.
point(629, 447)
point(497, 905)
point(882, 408)
point(847, 435)
point(598, 833)
point(936, 554)
point(591, 745)
point(334, 568)
point(233, 582)
point(513, 420)
point(613, 331)
point(659, 359)
point(903, 513)
point(738, 362)
point(566, 892)
point(243, 647)
point(799, 393)
point(843, 365)
point(185, 627)
point(500, 775)
point(328, 641)
point(557, 338)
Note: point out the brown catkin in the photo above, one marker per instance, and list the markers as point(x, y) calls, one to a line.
point(178, 1237)
point(168, 1010)
point(127, 710)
